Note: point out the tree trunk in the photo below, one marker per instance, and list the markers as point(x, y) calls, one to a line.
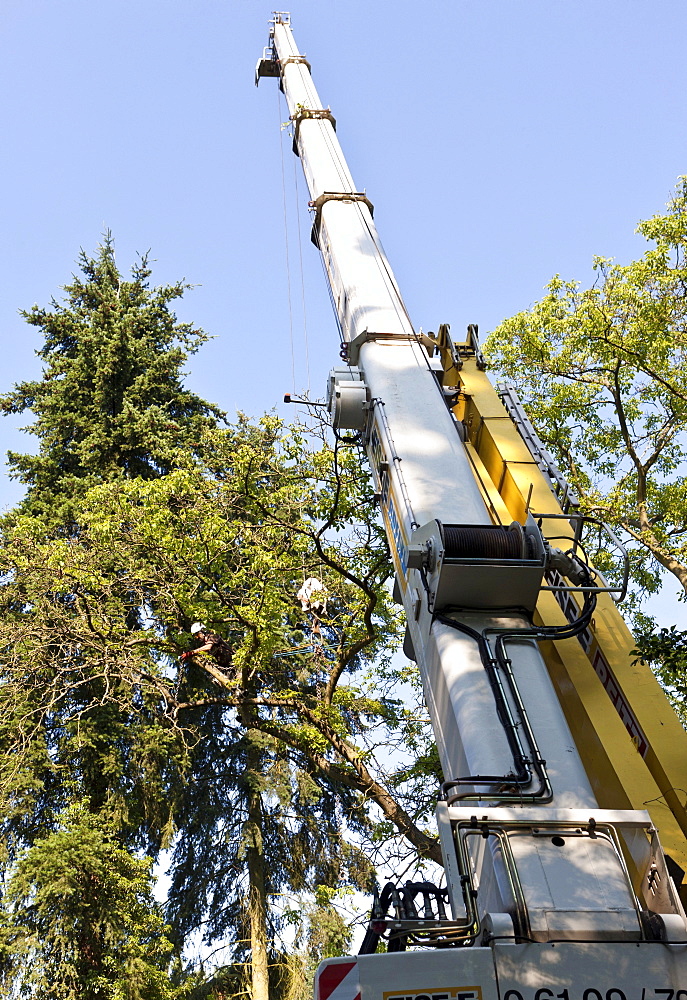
point(257, 902)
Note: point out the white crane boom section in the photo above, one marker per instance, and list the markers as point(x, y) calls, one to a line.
point(412, 436)
point(529, 855)
point(373, 317)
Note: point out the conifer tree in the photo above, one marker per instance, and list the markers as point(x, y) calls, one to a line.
point(110, 403)
point(88, 926)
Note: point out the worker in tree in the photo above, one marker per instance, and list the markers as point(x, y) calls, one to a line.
point(313, 598)
point(212, 643)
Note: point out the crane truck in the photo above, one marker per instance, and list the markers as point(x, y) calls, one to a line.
point(562, 759)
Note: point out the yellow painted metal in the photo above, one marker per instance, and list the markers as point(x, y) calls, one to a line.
point(630, 740)
point(498, 508)
point(618, 773)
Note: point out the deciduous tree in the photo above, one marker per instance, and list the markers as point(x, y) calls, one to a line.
point(227, 542)
point(602, 372)
point(666, 650)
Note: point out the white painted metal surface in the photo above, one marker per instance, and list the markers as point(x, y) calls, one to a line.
point(435, 466)
point(573, 881)
point(565, 971)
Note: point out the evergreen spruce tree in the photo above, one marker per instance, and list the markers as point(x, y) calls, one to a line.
point(111, 403)
point(89, 927)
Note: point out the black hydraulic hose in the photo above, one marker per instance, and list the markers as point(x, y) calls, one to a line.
point(369, 942)
point(553, 632)
point(403, 900)
point(523, 774)
point(523, 764)
point(380, 907)
point(549, 632)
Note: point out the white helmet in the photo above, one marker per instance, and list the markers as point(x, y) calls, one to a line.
point(197, 627)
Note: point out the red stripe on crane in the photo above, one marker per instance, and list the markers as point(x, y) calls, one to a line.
point(332, 976)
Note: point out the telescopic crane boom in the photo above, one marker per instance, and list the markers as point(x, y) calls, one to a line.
point(556, 882)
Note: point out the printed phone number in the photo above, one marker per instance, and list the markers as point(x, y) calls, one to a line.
point(648, 993)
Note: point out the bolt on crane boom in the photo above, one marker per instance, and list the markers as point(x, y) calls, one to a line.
point(556, 884)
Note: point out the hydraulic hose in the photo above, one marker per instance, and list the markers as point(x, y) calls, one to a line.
point(403, 900)
point(523, 772)
point(501, 662)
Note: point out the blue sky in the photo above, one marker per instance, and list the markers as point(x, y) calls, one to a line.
point(501, 141)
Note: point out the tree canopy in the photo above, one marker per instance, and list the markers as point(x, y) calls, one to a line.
point(89, 923)
point(258, 777)
point(666, 650)
point(602, 372)
point(95, 700)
